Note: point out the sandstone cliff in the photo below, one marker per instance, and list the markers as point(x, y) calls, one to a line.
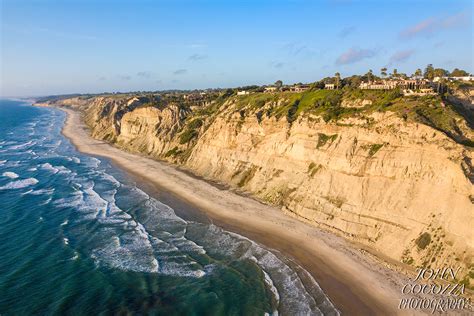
point(392, 173)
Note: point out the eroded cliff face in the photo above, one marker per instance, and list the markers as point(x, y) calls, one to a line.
point(384, 186)
point(398, 186)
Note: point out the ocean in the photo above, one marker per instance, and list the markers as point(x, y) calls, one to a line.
point(77, 236)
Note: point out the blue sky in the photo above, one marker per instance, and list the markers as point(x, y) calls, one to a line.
point(56, 47)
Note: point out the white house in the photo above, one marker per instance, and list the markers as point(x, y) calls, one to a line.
point(271, 89)
point(243, 92)
point(465, 78)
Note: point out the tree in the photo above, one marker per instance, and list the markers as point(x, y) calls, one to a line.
point(318, 85)
point(279, 84)
point(395, 73)
point(441, 86)
point(459, 73)
point(429, 72)
point(370, 75)
point(383, 72)
point(418, 72)
point(338, 79)
point(352, 81)
point(403, 75)
point(440, 72)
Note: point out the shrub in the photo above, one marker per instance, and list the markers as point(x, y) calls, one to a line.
point(259, 115)
point(259, 103)
point(313, 168)
point(323, 139)
point(291, 115)
point(187, 135)
point(374, 149)
point(247, 176)
point(423, 240)
point(194, 124)
point(173, 152)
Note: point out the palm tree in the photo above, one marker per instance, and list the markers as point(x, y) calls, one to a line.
point(395, 73)
point(383, 72)
point(279, 84)
point(338, 79)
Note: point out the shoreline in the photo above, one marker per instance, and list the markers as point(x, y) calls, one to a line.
point(355, 283)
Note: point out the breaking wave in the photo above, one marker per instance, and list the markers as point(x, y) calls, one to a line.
point(19, 184)
point(10, 175)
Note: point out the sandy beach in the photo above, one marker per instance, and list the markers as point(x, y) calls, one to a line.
point(355, 282)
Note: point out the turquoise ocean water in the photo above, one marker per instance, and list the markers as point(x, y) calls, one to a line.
point(78, 237)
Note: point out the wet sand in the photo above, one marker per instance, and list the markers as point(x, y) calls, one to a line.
point(356, 283)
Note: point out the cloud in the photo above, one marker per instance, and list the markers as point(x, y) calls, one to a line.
point(144, 74)
point(433, 25)
point(197, 57)
point(124, 77)
point(197, 45)
point(180, 72)
point(295, 49)
point(354, 55)
point(277, 64)
point(347, 31)
point(102, 78)
point(400, 56)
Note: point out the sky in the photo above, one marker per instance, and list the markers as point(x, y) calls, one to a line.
point(94, 46)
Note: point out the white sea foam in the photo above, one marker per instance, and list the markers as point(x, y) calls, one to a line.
point(32, 169)
point(21, 146)
point(54, 169)
point(47, 201)
point(19, 184)
point(41, 192)
point(110, 179)
point(93, 162)
point(47, 166)
point(187, 269)
point(10, 175)
point(273, 289)
point(74, 200)
point(31, 152)
point(76, 160)
point(132, 251)
point(2, 162)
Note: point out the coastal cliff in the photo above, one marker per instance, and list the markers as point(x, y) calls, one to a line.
point(393, 173)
